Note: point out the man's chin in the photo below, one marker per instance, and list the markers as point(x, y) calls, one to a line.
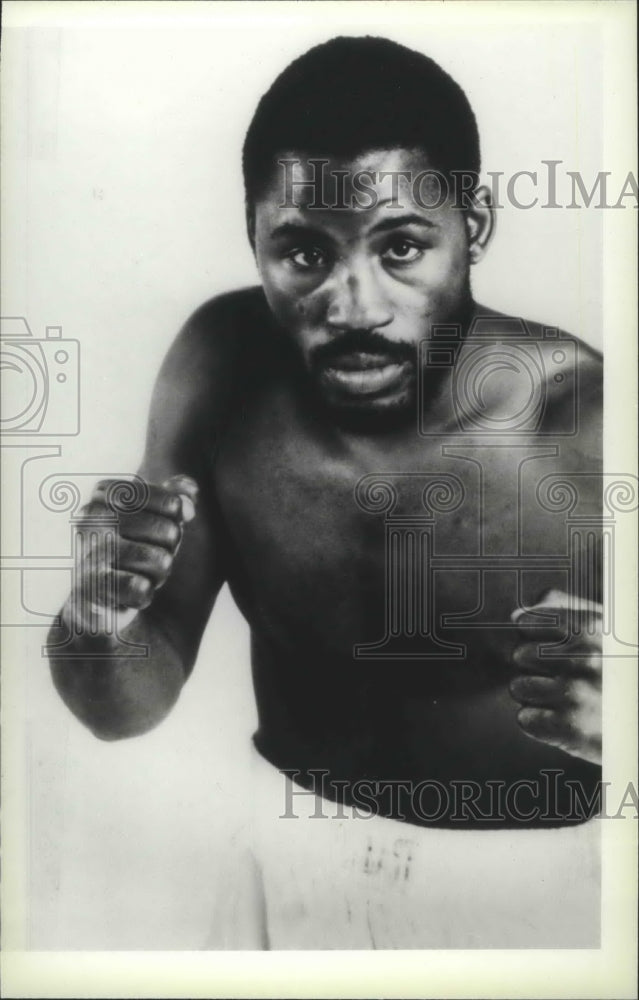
point(379, 413)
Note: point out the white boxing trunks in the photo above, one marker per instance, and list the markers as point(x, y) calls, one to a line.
point(305, 882)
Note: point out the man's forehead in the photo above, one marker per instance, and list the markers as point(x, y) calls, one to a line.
point(375, 160)
point(393, 180)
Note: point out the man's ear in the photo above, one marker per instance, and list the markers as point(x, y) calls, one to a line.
point(480, 223)
point(249, 211)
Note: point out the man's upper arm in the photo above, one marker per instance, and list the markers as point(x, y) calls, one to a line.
point(187, 409)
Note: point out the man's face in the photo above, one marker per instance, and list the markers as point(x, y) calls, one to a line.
point(357, 287)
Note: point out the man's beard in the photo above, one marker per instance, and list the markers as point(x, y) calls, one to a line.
point(356, 341)
point(367, 412)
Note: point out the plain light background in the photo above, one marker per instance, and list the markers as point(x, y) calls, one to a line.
point(124, 211)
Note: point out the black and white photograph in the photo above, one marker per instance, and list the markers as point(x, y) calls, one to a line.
point(320, 498)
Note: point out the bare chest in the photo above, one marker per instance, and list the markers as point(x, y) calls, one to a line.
point(410, 546)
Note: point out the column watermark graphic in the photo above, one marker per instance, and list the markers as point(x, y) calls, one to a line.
point(414, 561)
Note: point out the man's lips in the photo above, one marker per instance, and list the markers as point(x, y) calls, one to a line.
point(361, 361)
point(364, 373)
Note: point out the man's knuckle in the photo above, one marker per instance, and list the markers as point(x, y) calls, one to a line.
point(594, 662)
point(164, 560)
point(170, 505)
point(528, 718)
point(171, 532)
point(541, 722)
point(570, 725)
point(585, 693)
point(571, 690)
point(142, 585)
point(518, 654)
point(516, 687)
point(138, 589)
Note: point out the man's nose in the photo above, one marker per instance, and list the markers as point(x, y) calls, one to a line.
point(356, 300)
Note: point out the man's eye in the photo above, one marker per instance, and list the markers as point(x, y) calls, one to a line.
point(402, 252)
point(307, 257)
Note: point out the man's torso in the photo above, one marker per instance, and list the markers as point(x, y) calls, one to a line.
point(378, 571)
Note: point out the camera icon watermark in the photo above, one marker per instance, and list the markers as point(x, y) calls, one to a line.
point(40, 381)
point(504, 376)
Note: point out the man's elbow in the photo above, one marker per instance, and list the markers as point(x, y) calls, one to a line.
point(106, 710)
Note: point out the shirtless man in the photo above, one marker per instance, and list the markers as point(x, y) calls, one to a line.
point(277, 411)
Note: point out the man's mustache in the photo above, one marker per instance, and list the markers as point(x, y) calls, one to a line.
point(361, 341)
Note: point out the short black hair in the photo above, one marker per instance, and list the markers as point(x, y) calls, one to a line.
point(350, 95)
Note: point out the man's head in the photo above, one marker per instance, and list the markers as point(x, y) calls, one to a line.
point(361, 253)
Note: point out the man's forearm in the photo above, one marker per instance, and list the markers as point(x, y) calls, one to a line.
point(114, 693)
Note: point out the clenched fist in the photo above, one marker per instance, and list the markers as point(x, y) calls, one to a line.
point(560, 692)
point(122, 565)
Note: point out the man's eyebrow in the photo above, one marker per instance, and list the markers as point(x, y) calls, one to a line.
point(407, 219)
point(297, 229)
point(392, 222)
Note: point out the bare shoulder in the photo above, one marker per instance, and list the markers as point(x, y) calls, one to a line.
point(566, 354)
point(561, 353)
point(204, 373)
point(220, 333)
point(530, 375)
point(572, 374)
